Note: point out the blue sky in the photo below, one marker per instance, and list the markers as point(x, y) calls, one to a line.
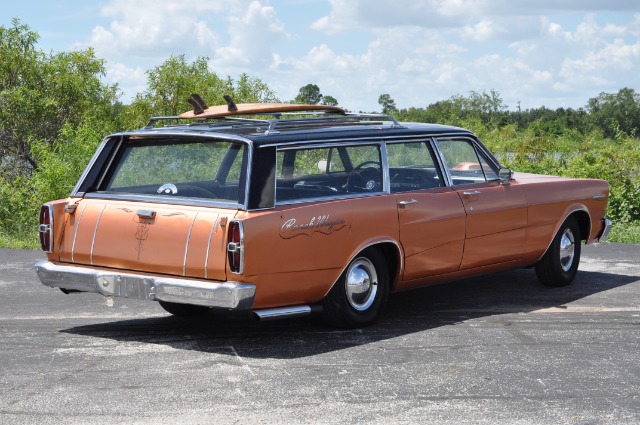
point(554, 53)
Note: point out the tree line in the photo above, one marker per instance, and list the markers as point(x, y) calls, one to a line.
point(608, 113)
point(55, 108)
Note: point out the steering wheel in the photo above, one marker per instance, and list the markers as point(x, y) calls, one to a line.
point(363, 178)
point(187, 190)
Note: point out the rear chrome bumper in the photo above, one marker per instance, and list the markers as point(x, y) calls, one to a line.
point(229, 295)
point(605, 231)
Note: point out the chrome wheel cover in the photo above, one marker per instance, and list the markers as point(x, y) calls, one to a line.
point(361, 284)
point(567, 249)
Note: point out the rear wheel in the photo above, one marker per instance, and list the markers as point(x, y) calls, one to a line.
point(359, 296)
point(184, 310)
point(559, 265)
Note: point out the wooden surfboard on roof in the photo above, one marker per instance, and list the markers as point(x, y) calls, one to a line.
point(201, 110)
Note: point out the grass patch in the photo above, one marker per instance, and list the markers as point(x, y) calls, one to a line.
point(625, 233)
point(16, 242)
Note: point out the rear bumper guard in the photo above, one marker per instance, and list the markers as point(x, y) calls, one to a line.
point(229, 295)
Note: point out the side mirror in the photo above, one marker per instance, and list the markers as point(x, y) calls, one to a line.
point(506, 175)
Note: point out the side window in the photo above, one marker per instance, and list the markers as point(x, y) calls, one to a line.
point(466, 164)
point(328, 172)
point(412, 167)
point(315, 161)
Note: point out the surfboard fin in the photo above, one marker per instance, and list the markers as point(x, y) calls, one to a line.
point(231, 106)
point(197, 103)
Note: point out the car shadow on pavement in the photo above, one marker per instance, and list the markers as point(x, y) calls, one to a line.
point(419, 310)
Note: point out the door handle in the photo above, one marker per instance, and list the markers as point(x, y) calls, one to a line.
point(405, 204)
point(471, 194)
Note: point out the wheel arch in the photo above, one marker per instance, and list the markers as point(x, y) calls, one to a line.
point(584, 223)
point(581, 214)
point(391, 251)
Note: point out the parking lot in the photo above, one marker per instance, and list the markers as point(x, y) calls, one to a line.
point(498, 349)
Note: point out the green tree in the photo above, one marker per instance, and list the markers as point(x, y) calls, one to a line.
point(309, 94)
point(330, 100)
point(54, 109)
point(616, 112)
point(41, 93)
point(170, 84)
point(387, 103)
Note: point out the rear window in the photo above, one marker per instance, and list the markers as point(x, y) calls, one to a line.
point(192, 169)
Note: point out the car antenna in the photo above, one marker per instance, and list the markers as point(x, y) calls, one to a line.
point(230, 104)
point(198, 104)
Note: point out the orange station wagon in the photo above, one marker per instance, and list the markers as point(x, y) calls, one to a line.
point(283, 210)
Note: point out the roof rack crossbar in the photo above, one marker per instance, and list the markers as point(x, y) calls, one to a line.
point(328, 118)
point(154, 120)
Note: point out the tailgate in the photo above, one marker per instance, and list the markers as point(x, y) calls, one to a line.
point(166, 239)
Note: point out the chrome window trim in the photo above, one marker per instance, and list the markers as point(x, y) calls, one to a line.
point(188, 134)
point(386, 183)
point(448, 180)
point(88, 168)
point(386, 186)
point(341, 143)
point(110, 162)
point(477, 145)
point(438, 161)
point(198, 202)
point(193, 135)
point(247, 176)
point(364, 140)
point(330, 198)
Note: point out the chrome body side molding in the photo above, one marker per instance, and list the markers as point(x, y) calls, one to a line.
point(282, 313)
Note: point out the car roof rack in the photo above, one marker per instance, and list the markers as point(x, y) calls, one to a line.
point(284, 114)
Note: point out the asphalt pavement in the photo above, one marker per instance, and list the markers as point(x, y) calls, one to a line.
point(501, 349)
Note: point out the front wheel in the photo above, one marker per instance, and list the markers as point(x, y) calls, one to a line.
point(359, 296)
point(184, 310)
point(559, 265)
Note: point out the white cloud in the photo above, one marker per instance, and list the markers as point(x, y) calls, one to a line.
point(419, 51)
point(482, 31)
point(252, 33)
point(604, 67)
point(359, 14)
point(151, 28)
point(129, 80)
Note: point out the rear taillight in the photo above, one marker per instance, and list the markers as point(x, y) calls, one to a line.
point(46, 228)
point(235, 247)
